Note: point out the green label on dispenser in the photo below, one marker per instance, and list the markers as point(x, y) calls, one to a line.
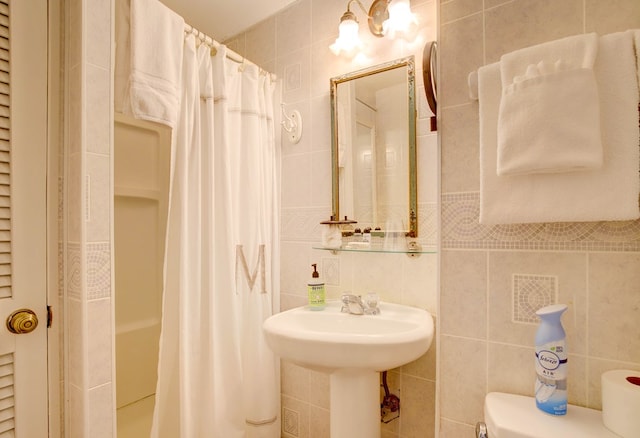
point(316, 295)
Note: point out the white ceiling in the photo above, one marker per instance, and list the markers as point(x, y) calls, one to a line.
point(222, 19)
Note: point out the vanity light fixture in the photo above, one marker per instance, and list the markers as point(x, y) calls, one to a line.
point(391, 18)
point(402, 22)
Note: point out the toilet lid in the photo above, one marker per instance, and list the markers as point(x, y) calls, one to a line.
point(516, 416)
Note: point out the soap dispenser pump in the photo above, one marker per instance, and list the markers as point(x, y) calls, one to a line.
point(315, 290)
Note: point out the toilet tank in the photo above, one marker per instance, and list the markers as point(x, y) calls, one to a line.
point(516, 416)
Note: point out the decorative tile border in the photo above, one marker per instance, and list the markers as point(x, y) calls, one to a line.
point(98, 270)
point(461, 229)
point(74, 273)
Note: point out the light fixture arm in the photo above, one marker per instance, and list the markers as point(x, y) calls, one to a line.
point(377, 14)
point(348, 41)
point(359, 3)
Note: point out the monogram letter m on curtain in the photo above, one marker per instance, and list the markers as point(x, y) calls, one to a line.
point(260, 265)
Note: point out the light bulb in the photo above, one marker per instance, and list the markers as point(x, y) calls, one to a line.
point(402, 22)
point(348, 41)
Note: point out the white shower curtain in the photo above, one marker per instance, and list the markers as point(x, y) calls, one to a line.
point(216, 376)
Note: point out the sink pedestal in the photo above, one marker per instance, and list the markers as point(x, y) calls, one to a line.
point(355, 403)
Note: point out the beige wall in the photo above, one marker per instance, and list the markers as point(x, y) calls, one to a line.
point(596, 265)
point(295, 45)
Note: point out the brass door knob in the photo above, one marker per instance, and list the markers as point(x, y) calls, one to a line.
point(22, 321)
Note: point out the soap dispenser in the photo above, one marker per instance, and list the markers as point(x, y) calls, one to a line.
point(315, 290)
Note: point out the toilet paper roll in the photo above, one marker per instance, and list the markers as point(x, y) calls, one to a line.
point(621, 402)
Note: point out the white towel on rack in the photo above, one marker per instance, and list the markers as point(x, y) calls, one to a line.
point(149, 42)
point(609, 193)
point(549, 119)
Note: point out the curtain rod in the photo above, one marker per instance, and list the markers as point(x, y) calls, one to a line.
point(206, 39)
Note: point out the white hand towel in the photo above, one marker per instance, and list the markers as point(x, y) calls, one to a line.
point(609, 193)
point(149, 62)
point(549, 119)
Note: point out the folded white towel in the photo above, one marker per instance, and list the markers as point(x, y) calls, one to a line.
point(149, 62)
point(578, 51)
point(609, 193)
point(549, 119)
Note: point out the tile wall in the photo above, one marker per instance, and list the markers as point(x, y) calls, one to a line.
point(492, 278)
point(295, 45)
point(87, 212)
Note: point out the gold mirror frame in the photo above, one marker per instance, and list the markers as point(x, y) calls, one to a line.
point(409, 64)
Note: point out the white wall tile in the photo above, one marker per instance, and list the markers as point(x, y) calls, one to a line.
point(321, 192)
point(99, 172)
point(293, 68)
point(319, 126)
point(261, 42)
point(101, 412)
point(614, 306)
point(79, 406)
point(293, 28)
point(296, 181)
point(96, 115)
point(76, 343)
point(99, 341)
point(98, 19)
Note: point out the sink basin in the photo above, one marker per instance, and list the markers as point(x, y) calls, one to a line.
point(352, 349)
point(329, 340)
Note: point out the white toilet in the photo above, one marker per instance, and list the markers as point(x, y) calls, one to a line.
point(516, 416)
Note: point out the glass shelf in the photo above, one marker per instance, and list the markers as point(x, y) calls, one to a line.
point(379, 248)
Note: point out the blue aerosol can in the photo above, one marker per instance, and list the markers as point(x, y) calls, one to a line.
point(551, 361)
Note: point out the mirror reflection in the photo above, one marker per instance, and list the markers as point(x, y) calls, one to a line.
point(373, 147)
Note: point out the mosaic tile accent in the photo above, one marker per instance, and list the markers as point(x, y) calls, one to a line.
point(461, 229)
point(74, 273)
point(98, 271)
point(530, 293)
point(290, 422)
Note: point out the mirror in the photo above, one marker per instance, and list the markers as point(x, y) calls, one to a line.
point(373, 120)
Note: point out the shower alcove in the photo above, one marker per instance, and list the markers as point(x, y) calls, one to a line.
point(141, 187)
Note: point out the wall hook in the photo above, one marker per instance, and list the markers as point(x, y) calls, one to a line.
point(292, 124)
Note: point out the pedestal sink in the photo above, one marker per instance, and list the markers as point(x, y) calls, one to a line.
point(353, 349)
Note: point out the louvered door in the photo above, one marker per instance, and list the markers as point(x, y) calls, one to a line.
point(23, 158)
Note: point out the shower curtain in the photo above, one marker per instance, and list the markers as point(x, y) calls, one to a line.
point(216, 376)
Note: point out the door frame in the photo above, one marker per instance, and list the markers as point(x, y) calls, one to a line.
point(55, 234)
